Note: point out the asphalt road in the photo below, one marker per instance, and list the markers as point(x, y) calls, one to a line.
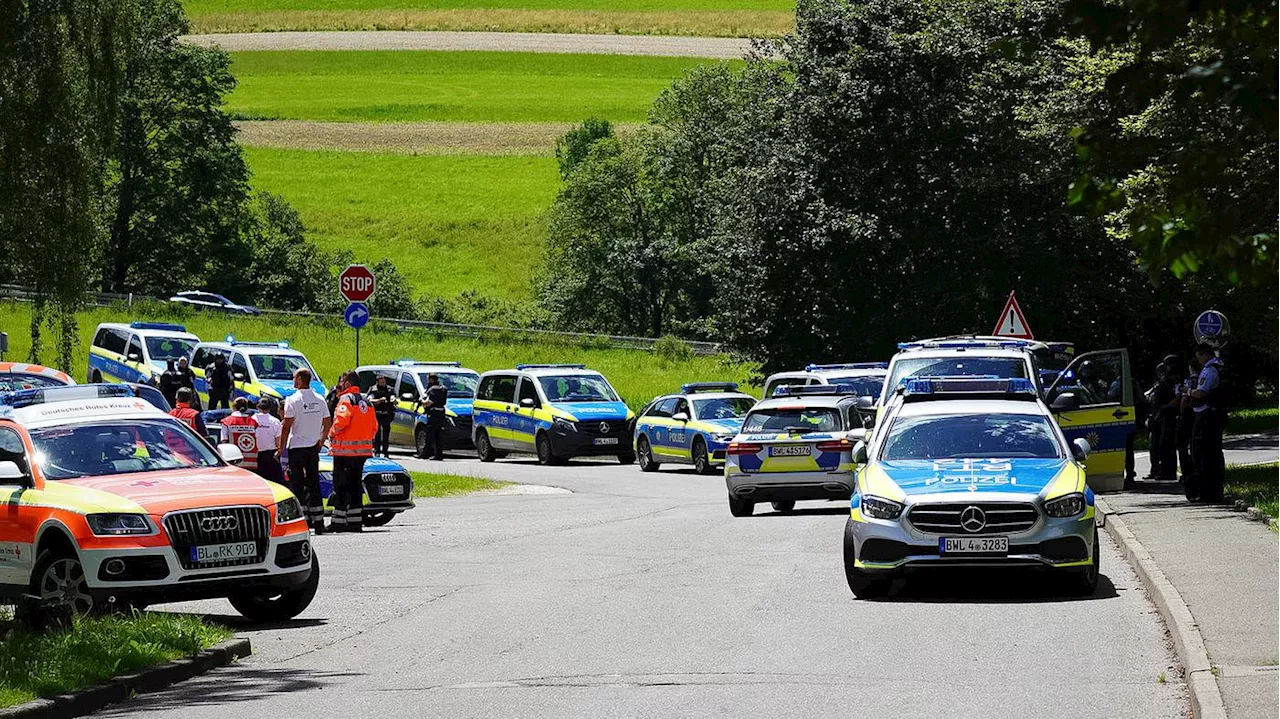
point(638, 595)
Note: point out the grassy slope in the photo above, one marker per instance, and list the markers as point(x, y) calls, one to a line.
point(430, 484)
point(449, 223)
point(387, 86)
point(1253, 420)
point(638, 376)
point(1258, 485)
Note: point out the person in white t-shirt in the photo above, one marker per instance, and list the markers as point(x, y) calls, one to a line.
point(268, 435)
point(306, 424)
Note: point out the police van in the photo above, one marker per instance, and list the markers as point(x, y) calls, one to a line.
point(136, 352)
point(556, 411)
point(260, 369)
point(408, 379)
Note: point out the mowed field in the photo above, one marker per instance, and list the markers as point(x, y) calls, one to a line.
point(722, 18)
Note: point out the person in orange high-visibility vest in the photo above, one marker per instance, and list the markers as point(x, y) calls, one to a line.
point(185, 413)
point(240, 428)
point(350, 443)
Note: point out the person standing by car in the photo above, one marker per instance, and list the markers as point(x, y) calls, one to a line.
point(1209, 403)
point(1164, 419)
point(306, 423)
point(187, 378)
point(218, 376)
point(268, 436)
point(383, 399)
point(436, 400)
point(185, 413)
point(240, 428)
point(169, 383)
point(351, 444)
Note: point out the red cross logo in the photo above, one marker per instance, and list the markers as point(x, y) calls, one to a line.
point(144, 483)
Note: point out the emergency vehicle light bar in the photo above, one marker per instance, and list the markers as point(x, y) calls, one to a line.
point(231, 340)
point(43, 395)
point(847, 365)
point(415, 363)
point(550, 366)
point(693, 387)
point(938, 387)
point(815, 389)
point(166, 326)
point(962, 344)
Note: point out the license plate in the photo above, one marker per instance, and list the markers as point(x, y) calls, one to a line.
point(605, 440)
point(973, 545)
point(791, 450)
point(397, 490)
point(224, 552)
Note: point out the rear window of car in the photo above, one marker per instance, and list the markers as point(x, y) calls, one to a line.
point(862, 385)
point(909, 367)
point(792, 419)
point(977, 436)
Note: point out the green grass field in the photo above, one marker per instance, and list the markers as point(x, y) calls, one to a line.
point(389, 86)
point(729, 18)
point(449, 223)
point(1258, 485)
point(638, 376)
point(430, 484)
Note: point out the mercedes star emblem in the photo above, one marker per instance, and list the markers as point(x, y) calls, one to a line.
point(973, 519)
point(604, 428)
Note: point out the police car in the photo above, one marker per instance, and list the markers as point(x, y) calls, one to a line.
point(408, 379)
point(556, 411)
point(16, 376)
point(136, 352)
point(111, 500)
point(260, 369)
point(968, 471)
point(793, 446)
point(693, 426)
point(859, 378)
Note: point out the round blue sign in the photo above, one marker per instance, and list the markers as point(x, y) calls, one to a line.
point(1210, 323)
point(356, 315)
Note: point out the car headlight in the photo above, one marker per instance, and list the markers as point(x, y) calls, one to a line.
point(722, 438)
point(880, 508)
point(1068, 506)
point(115, 525)
point(288, 510)
point(564, 425)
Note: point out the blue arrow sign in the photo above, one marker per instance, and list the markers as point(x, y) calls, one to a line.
point(356, 315)
point(1210, 323)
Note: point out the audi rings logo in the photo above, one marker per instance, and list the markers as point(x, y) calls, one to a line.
point(604, 428)
point(388, 477)
point(220, 523)
point(973, 519)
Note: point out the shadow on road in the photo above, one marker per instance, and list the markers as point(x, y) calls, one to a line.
point(237, 683)
point(1249, 442)
point(842, 509)
point(242, 625)
point(989, 587)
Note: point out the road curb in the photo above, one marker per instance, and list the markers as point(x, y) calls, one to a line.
point(1255, 514)
point(1206, 697)
point(118, 689)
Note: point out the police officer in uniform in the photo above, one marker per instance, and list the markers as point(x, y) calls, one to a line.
point(1209, 402)
point(383, 399)
point(435, 402)
point(170, 381)
point(218, 377)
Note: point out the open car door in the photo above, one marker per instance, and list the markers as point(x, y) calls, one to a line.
point(1103, 412)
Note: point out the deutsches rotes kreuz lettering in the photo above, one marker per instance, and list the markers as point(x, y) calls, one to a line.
point(972, 472)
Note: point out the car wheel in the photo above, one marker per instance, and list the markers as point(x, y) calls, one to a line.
point(96, 377)
point(420, 443)
point(627, 458)
point(701, 458)
point(784, 507)
point(1083, 581)
point(543, 446)
point(644, 453)
point(741, 507)
point(377, 519)
point(484, 449)
point(863, 584)
point(269, 606)
point(59, 581)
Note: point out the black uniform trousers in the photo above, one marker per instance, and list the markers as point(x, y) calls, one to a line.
point(1206, 453)
point(219, 397)
point(269, 467)
point(1182, 437)
point(435, 427)
point(1164, 445)
point(304, 480)
point(382, 440)
point(348, 494)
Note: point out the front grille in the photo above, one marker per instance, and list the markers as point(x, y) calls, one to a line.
point(374, 481)
point(1001, 517)
point(212, 526)
point(617, 427)
point(462, 422)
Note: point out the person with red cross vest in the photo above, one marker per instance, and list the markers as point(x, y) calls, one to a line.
point(241, 429)
point(350, 443)
point(185, 413)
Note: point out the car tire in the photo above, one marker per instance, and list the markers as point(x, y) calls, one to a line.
point(741, 507)
point(95, 378)
point(863, 584)
point(267, 607)
point(484, 448)
point(644, 452)
point(1083, 581)
point(784, 507)
point(627, 458)
point(542, 445)
point(701, 457)
point(420, 443)
point(58, 580)
point(377, 519)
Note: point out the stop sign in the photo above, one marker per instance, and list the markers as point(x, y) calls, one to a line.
point(356, 283)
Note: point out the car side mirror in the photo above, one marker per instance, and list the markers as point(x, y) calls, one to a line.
point(527, 402)
point(860, 452)
point(11, 473)
point(858, 434)
point(866, 403)
point(1080, 449)
point(408, 396)
point(239, 376)
point(680, 416)
point(230, 453)
point(135, 357)
point(1065, 402)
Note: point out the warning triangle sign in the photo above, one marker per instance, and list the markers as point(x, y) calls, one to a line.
point(1012, 322)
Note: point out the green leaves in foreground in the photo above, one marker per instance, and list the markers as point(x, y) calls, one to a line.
point(34, 664)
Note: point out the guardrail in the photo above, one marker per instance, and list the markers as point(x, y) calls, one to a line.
point(102, 299)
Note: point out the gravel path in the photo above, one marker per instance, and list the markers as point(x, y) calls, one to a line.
point(709, 47)
point(411, 138)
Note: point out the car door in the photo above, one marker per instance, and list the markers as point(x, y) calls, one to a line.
point(18, 520)
point(524, 420)
point(495, 399)
point(1103, 413)
point(406, 420)
point(244, 380)
point(136, 360)
point(680, 437)
point(655, 424)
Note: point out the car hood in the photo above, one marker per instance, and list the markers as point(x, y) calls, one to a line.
point(460, 406)
point(372, 464)
point(166, 491)
point(284, 387)
point(589, 411)
point(918, 477)
point(723, 426)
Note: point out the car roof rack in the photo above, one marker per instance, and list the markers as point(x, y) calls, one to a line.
point(970, 387)
point(417, 363)
point(165, 326)
point(695, 387)
point(44, 395)
point(828, 390)
point(550, 366)
point(846, 365)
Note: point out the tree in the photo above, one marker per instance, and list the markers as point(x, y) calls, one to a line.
point(573, 147)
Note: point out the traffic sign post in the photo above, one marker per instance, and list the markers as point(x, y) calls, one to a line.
point(357, 284)
point(1012, 322)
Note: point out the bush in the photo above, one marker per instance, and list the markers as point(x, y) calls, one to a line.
point(673, 349)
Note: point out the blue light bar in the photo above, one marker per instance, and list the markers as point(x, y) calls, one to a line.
point(417, 363)
point(240, 343)
point(935, 386)
point(550, 366)
point(963, 344)
point(691, 387)
point(166, 326)
point(814, 389)
point(31, 397)
point(847, 365)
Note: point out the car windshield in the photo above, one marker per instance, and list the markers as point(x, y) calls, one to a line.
point(862, 385)
point(723, 407)
point(1002, 367)
point(162, 349)
point(14, 381)
point(277, 367)
point(118, 447)
point(956, 436)
point(577, 388)
point(459, 384)
point(794, 420)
